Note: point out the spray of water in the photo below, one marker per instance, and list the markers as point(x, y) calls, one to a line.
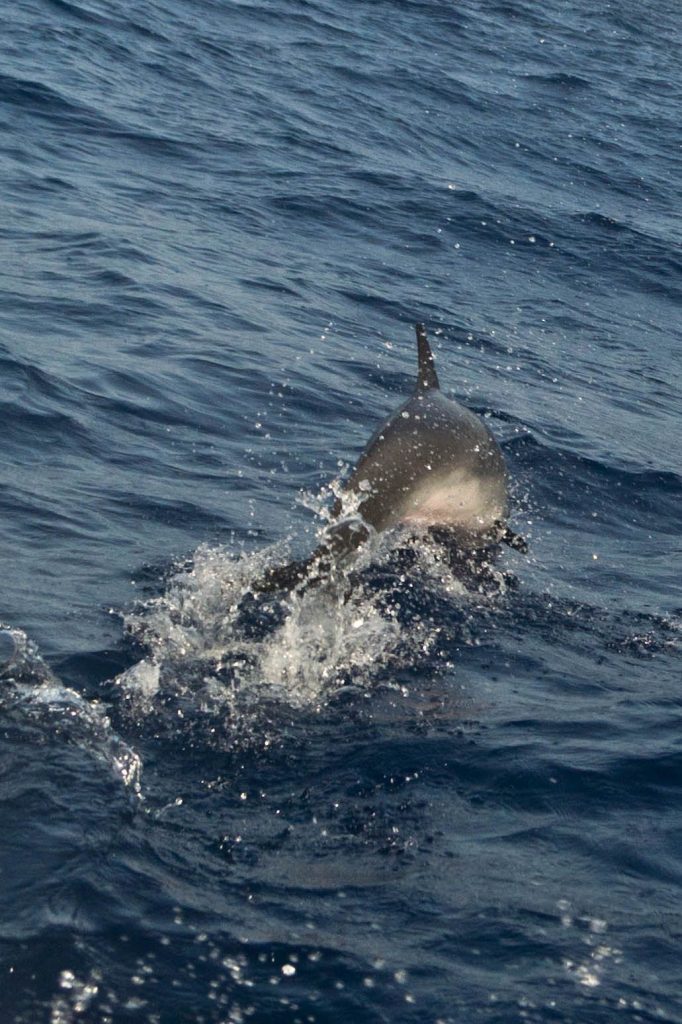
point(212, 643)
point(296, 649)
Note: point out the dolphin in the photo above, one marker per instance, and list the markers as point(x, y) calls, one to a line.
point(433, 463)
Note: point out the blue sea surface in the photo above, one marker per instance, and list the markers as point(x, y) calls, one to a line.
point(421, 803)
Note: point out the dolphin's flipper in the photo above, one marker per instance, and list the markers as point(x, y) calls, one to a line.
point(501, 534)
point(340, 541)
point(513, 540)
point(426, 375)
point(288, 577)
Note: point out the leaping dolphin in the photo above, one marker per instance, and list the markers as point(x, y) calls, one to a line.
point(434, 464)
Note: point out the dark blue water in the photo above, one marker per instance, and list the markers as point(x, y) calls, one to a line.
point(219, 222)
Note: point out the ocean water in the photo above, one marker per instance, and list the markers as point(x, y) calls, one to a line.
point(219, 222)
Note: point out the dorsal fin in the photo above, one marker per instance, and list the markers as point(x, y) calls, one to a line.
point(426, 376)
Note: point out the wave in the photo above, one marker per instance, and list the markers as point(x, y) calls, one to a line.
point(30, 692)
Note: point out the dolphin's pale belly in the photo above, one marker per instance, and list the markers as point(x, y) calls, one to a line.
point(461, 500)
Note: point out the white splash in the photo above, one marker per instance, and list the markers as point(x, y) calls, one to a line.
point(220, 653)
point(314, 641)
point(323, 641)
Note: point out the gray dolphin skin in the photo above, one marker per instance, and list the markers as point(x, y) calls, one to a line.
point(432, 464)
